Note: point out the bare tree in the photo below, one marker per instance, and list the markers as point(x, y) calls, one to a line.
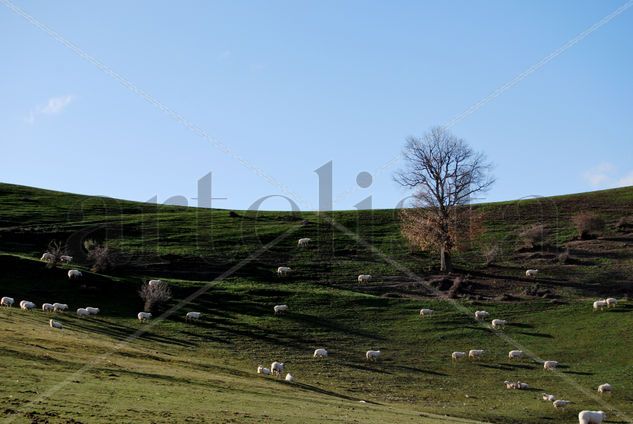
point(445, 173)
point(154, 295)
point(55, 250)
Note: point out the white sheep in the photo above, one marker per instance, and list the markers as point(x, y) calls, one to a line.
point(531, 273)
point(591, 417)
point(303, 242)
point(561, 404)
point(282, 271)
point(82, 312)
point(144, 316)
point(372, 355)
point(499, 324)
point(364, 278)
point(55, 324)
point(66, 258)
point(550, 365)
point(153, 283)
point(7, 301)
point(510, 384)
point(193, 316)
point(475, 354)
point(92, 310)
point(481, 315)
point(548, 397)
point(320, 353)
point(74, 274)
point(611, 302)
point(27, 305)
point(289, 378)
point(521, 386)
point(599, 305)
point(515, 354)
point(426, 312)
point(262, 370)
point(605, 388)
point(280, 309)
point(456, 356)
point(277, 368)
point(47, 307)
point(60, 307)
point(47, 257)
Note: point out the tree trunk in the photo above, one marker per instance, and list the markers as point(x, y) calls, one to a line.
point(446, 265)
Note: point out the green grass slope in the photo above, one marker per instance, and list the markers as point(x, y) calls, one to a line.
point(111, 368)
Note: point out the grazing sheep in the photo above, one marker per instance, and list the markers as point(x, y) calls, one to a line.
point(289, 378)
point(7, 301)
point(66, 258)
point(456, 356)
point(193, 316)
point(82, 312)
point(282, 271)
point(320, 353)
point(262, 370)
point(364, 278)
point(475, 354)
point(605, 388)
point(47, 307)
point(426, 312)
point(515, 354)
point(531, 273)
point(549, 398)
point(372, 355)
point(153, 283)
point(510, 384)
point(74, 274)
point(499, 324)
point(599, 305)
point(60, 307)
point(55, 324)
point(591, 417)
point(611, 302)
point(277, 368)
point(550, 365)
point(481, 315)
point(92, 311)
point(303, 242)
point(561, 404)
point(144, 316)
point(280, 309)
point(47, 257)
point(26, 305)
point(521, 386)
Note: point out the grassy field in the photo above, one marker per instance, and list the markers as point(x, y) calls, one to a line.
point(111, 368)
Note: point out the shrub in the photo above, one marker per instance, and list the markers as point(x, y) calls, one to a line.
point(491, 253)
point(102, 257)
point(57, 250)
point(456, 287)
point(155, 296)
point(564, 257)
point(588, 224)
point(533, 235)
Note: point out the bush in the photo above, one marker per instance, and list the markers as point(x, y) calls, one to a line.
point(534, 235)
point(155, 296)
point(564, 257)
point(57, 250)
point(588, 224)
point(103, 258)
point(491, 253)
point(456, 287)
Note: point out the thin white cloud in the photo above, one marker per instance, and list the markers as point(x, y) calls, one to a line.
point(53, 106)
point(600, 175)
point(627, 180)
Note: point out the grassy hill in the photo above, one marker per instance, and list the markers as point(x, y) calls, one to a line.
point(111, 368)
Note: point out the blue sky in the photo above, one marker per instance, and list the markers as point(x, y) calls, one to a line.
point(290, 85)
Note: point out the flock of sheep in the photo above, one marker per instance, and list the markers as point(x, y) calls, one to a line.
point(277, 368)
